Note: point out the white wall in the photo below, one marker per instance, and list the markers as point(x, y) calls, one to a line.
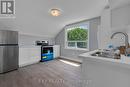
point(120, 16)
point(118, 3)
point(29, 40)
point(104, 30)
point(114, 20)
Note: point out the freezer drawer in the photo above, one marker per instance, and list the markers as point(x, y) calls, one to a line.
point(12, 37)
point(8, 58)
point(3, 37)
point(8, 37)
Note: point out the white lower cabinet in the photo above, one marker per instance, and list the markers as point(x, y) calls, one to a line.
point(56, 49)
point(104, 74)
point(29, 55)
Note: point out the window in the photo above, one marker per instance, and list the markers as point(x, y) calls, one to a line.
point(77, 37)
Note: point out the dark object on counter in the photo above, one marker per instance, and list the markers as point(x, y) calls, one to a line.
point(42, 43)
point(122, 49)
point(127, 52)
point(117, 56)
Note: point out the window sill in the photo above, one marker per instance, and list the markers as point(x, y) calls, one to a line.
point(82, 49)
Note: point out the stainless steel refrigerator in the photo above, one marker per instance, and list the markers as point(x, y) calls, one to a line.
point(9, 50)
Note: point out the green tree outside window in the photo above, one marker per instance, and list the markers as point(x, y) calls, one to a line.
point(77, 34)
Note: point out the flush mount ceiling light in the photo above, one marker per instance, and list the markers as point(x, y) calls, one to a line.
point(55, 12)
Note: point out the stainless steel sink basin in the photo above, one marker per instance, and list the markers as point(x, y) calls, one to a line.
point(104, 55)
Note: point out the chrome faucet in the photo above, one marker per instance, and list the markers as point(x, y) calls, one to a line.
point(126, 38)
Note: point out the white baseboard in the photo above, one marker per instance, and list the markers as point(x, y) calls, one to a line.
point(74, 59)
point(29, 63)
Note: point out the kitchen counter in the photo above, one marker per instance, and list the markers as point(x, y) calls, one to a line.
point(124, 61)
point(105, 72)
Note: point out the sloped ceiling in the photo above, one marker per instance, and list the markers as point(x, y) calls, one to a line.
point(32, 16)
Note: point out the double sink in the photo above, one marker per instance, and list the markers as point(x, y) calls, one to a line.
point(106, 54)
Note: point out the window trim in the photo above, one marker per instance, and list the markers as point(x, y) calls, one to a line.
point(74, 48)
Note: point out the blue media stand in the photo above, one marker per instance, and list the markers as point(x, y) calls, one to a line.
point(46, 53)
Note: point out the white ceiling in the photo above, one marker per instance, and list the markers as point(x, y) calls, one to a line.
point(32, 16)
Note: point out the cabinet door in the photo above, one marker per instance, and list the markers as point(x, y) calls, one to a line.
point(34, 54)
point(29, 56)
point(56, 49)
point(23, 56)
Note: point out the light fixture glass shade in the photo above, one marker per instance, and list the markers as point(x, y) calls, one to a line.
point(55, 12)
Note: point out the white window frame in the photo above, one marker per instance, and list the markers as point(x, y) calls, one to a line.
point(75, 48)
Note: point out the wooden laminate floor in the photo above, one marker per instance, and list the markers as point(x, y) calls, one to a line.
point(49, 74)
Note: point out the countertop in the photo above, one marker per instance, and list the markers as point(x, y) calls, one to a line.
point(29, 46)
point(124, 61)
